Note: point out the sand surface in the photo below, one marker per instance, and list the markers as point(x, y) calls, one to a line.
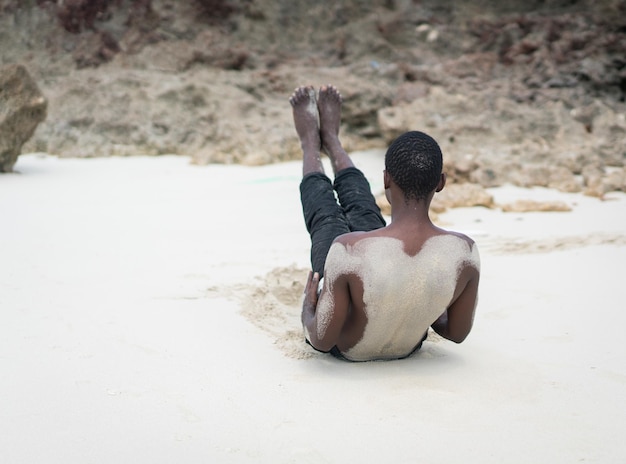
point(150, 313)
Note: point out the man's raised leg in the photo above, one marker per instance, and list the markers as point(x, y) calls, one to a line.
point(306, 120)
point(323, 217)
point(329, 107)
point(353, 189)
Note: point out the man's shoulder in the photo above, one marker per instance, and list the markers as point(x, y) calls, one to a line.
point(351, 238)
point(461, 236)
point(372, 244)
point(467, 250)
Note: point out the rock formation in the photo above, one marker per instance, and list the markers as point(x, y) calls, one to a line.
point(518, 91)
point(22, 108)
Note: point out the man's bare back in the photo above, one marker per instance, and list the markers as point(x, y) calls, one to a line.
point(395, 296)
point(383, 288)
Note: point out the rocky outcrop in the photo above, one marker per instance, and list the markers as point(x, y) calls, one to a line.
point(22, 108)
point(526, 206)
point(493, 140)
point(523, 92)
point(461, 195)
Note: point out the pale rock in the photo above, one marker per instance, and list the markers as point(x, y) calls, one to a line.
point(525, 206)
point(461, 195)
point(22, 108)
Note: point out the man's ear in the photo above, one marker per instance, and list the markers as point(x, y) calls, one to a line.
point(442, 182)
point(386, 179)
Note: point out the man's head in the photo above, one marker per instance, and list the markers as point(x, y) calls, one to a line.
point(414, 162)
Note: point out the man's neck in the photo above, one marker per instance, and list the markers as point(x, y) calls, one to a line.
point(413, 211)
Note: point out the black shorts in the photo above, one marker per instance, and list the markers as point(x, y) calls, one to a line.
point(328, 215)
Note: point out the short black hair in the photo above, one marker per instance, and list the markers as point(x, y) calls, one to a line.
point(414, 162)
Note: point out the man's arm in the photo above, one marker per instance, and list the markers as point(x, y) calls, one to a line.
point(456, 321)
point(323, 319)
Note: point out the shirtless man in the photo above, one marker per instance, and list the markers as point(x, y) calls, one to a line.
point(382, 286)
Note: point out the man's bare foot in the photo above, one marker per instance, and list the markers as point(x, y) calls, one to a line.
point(306, 118)
point(329, 108)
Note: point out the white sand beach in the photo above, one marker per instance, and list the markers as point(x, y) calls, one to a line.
point(150, 314)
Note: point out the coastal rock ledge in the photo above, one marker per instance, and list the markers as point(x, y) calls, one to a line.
point(22, 108)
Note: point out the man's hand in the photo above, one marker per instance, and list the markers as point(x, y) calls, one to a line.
point(333, 309)
point(310, 296)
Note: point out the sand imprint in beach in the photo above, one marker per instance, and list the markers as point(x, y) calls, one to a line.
point(273, 303)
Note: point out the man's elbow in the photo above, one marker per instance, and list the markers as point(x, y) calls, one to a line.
point(321, 345)
point(460, 335)
point(457, 338)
